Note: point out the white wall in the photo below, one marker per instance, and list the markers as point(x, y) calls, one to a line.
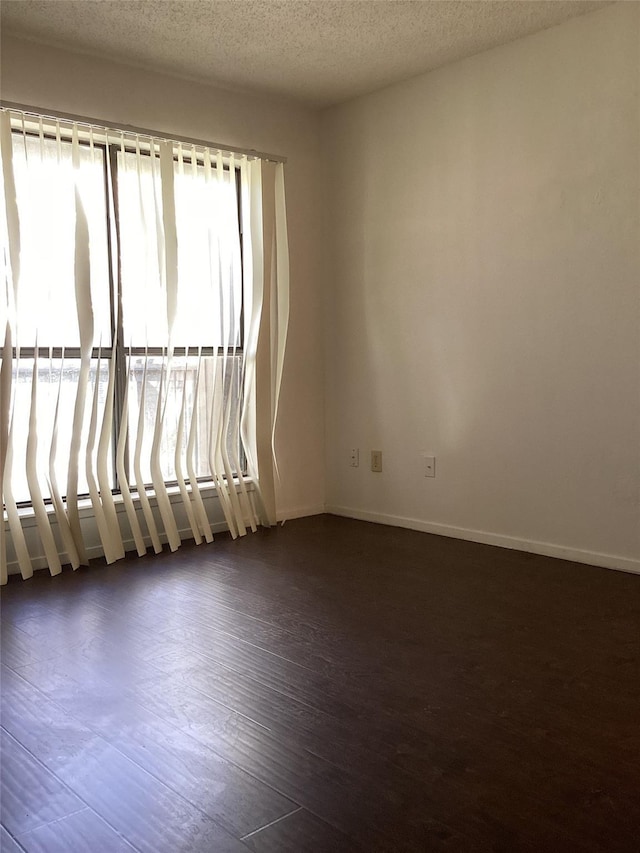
point(483, 297)
point(58, 80)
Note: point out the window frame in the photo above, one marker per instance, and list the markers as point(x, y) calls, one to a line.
point(117, 350)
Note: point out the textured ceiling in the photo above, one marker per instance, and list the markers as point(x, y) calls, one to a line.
point(317, 51)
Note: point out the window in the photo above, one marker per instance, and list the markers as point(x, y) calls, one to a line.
point(107, 246)
point(144, 317)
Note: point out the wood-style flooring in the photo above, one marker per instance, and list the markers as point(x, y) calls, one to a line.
point(326, 686)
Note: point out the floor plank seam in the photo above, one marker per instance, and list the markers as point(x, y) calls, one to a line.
point(271, 823)
point(80, 811)
point(12, 836)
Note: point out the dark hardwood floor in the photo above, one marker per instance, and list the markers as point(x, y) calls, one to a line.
point(326, 686)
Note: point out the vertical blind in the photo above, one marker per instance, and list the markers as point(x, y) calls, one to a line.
point(143, 328)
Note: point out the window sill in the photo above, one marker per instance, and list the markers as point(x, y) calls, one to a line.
point(85, 509)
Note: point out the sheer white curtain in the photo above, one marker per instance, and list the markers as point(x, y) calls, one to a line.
point(144, 320)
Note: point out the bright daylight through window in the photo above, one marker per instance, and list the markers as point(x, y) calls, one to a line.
point(128, 305)
point(144, 320)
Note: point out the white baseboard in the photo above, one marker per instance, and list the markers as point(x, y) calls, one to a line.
point(300, 512)
point(591, 558)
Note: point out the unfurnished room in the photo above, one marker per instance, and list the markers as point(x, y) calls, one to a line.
point(320, 426)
